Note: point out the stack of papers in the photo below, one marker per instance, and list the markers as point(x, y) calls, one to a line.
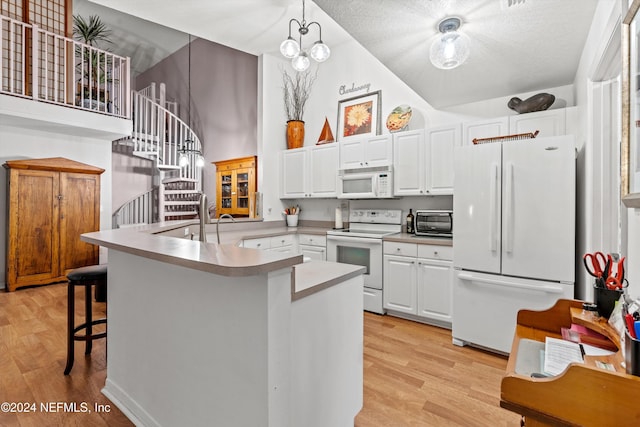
point(558, 354)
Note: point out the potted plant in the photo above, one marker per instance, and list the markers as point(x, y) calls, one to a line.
point(296, 91)
point(93, 68)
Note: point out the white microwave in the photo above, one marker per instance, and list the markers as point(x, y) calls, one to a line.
point(366, 183)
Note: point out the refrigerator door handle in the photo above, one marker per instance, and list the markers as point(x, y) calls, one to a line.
point(507, 284)
point(493, 208)
point(508, 231)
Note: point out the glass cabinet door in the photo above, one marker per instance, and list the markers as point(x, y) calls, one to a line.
point(226, 187)
point(242, 189)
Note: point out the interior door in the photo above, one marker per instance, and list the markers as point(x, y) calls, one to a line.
point(476, 207)
point(538, 224)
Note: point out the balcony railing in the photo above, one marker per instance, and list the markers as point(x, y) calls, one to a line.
point(47, 67)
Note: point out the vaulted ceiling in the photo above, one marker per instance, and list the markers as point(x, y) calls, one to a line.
point(529, 46)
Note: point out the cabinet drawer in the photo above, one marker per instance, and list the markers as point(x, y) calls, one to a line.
point(284, 240)
point(262, 243)
point(435, 252)
point(403, 249)
point(312, 240)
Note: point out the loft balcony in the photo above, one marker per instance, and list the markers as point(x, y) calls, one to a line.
point(56, 71)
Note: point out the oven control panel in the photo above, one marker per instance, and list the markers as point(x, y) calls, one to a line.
point(376, 216)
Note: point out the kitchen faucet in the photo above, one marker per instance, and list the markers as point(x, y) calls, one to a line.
point(204, 217)
point(218, 222)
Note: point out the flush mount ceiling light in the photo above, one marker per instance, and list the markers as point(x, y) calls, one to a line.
point(292, 49)
point(451, 48)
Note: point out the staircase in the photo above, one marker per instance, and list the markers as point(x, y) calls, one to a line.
point(160, 135)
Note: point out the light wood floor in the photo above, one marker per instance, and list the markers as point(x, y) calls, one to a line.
point(413, 375)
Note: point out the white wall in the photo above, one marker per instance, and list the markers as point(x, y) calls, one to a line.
point(31, 129)
point(21, 143)
point(340, 70)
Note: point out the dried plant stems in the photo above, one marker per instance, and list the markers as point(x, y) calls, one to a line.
point(296, 92)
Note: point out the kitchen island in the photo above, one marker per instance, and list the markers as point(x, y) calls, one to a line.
point(203, 334)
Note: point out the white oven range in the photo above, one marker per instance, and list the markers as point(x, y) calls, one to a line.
point(361, 244)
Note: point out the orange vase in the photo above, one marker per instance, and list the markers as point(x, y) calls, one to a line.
point(295, 134)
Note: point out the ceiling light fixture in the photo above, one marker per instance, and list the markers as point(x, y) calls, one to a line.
point(187, 151)
point(451, 48)
point(292, 49)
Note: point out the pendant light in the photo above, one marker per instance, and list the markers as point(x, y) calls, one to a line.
point(292, 49)
point(451, 47)
point(188, 149)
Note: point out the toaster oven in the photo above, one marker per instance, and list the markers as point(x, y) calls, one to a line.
point(435, 223)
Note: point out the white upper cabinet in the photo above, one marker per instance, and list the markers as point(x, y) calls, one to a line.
point(423, 161)
point(409, 163)
point(293, 175)
point(366, 152)
point(440, 146)
point(548, 123)
point(309, 172)
point(323, 170)
point(484, 129)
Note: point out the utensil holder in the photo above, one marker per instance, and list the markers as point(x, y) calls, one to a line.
point(631, 354)
point(292, 220)
point(605, 300)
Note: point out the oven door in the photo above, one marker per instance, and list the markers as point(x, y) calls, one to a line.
point(363, 251)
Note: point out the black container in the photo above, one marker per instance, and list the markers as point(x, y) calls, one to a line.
point(605, 300)
point(631, 354)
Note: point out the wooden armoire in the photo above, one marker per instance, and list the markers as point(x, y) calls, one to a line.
point(51, 202)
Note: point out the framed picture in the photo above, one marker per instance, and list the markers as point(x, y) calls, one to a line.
point(630, 147)
point(359, 116)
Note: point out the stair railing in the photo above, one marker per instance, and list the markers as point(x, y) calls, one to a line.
point(142, 209)
point(159, 132)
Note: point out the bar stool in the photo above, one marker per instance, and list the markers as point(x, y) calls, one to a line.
point(93, 275)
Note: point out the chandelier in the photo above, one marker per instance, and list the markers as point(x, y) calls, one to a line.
point(292, 49)
point(451, 48)
point(187, 153)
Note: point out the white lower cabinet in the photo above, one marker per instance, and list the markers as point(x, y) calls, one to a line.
point(309, 245)
point(418, 281)
point(313, 246)
point(284, 243)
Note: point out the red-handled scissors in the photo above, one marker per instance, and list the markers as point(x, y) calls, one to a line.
point(615, 280)
point(596, 264)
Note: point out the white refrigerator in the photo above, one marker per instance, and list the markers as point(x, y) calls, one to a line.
point(513, 235)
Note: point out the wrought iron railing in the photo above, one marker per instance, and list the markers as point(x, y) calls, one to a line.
point(47, 67)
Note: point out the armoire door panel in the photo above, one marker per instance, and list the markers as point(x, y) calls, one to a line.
point(79, 213)
point(35, 234)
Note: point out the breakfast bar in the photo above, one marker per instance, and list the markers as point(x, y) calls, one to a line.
point(215, 334)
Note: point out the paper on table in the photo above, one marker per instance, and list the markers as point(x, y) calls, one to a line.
point(558, 354)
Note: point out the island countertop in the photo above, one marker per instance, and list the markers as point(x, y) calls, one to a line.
point(223, 259)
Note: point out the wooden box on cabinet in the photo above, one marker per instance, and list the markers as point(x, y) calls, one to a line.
point(51, 202)
point(236, 186)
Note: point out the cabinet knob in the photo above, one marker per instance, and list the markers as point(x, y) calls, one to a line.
point(435, 253)
point(259, 244)
point(398, 249)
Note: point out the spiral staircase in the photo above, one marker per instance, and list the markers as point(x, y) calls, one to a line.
point(160, 135)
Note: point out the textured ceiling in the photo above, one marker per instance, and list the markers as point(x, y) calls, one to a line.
point(527, 47)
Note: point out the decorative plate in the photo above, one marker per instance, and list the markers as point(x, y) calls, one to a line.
point(399, 118)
